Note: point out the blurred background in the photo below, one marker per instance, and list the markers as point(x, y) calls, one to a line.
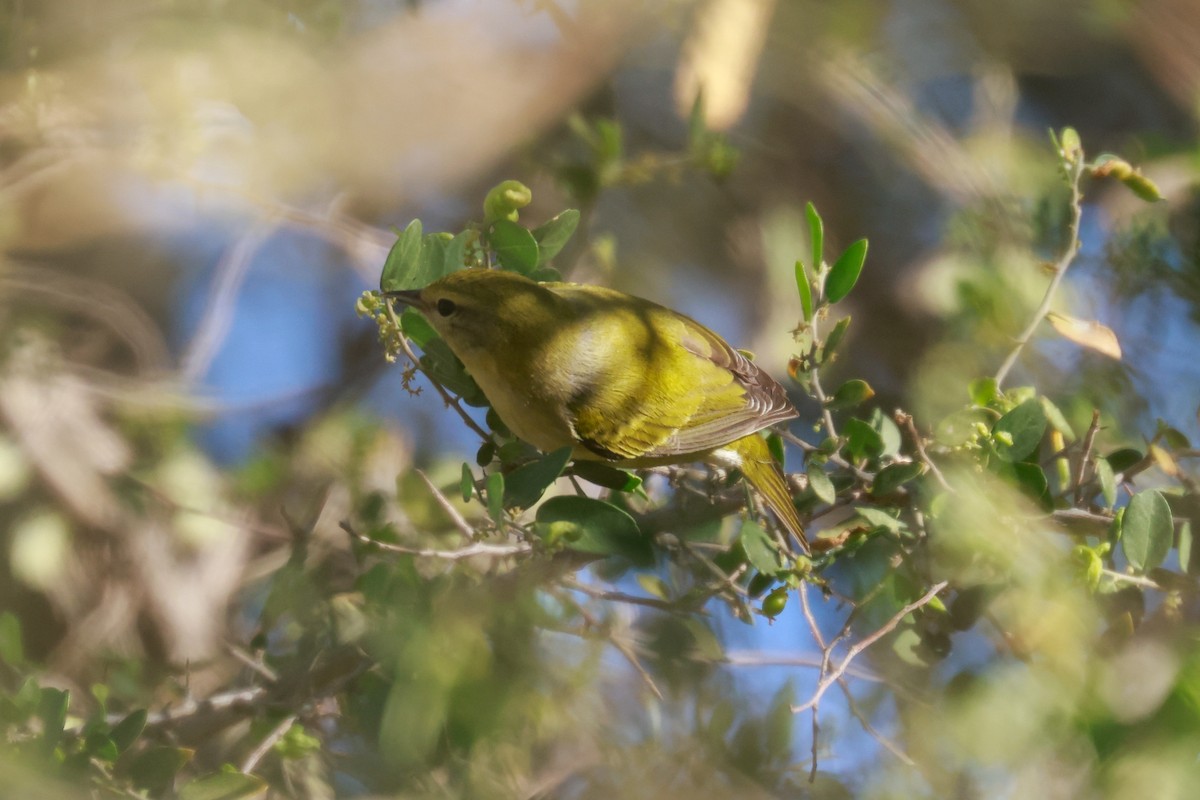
point(193, 193)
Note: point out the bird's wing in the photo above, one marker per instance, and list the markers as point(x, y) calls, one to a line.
point(705, 394)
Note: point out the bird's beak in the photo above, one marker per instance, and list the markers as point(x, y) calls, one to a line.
point(409, 297)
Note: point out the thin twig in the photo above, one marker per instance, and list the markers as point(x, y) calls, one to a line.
point(887, 743)
point(1060, 269)
point(250, 662)
point(264, 747)
point(444, 503)
point(825, 655)
point(449, 399)
point(905, 420)
point(866, 642)
point(477, 549)
point(218, 316)
point(1135, 580)
point(618, 597)
point(625, 650)
point(1081, 475)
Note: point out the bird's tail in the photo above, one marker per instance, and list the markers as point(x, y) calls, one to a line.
point(763, 473)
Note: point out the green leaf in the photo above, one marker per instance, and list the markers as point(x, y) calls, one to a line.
point(609, 477)
point(1186, 542)
point(127, 731)
point(402, 268)
point(960, 427)
point(862, 440)
point(893, 476)
point(52, 711)
point(822, 487)
point(983, 391)
point(12, 651)
point(780, 723)
point(1147, 531)
point(495, 497)
point(155, 768)
point(223, 786)
point(1108, 482)
point(553, 234)
point(588, 525)
point(845, 271)
point(1020, 431)
point(816, 233)
point(441, 363)
point(1121, 460)
point(778, 452)
point(1056, 419)
point(878, 518)
point(456, 255)
point(100, 746)
point(1032, 480)
point(466, 484)
point(526, 484)
point(504, 199)
point(761, 549)
point(834, 339)
point(515, 246)
point(804, 287)
point(889, 432)
point(850, 394)
point(417, 328)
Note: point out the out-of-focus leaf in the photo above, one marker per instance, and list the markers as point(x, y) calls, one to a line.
point(1018, 432)
point(960, 427)
point(52, 711)
point(845, 271)
point(893, 476)
point(593, 526)
point(1165, 461)
point(761, 549)
point(1123, 459)
point(1186, 547)
point(1056, 419)
point(495, 496)
point(1147, 531)
point(654, 586)
point(227, 785)
point(862, 440)
point(466, 484)
point(525, 485)
point(155, 768)
point(879, 518)
point(12, 651)
point(402, 268)
point(1108, 483)
point(850, 394)
point(822, 487)
point(1088, 333)
point(983, 391)
point(126, 732)
point(553, 234)
point(515, 246)
point(781, 722)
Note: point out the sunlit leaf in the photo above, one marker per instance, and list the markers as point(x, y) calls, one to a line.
point(1147, 531)
point(515, 246)
point(845, 271)
point(553, 234)
point(1088, 333)
point(850, 394)
point(822, 487)
point(402, 268)
point(1108, 483)
point(607, 476)
point(804, 288)
point(1018, 433)
point(816, 234)
point(761, 549)
point(224, 786)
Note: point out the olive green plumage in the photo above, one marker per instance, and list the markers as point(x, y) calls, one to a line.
point(617, 377)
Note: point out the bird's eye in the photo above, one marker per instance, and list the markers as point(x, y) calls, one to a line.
point(446, 307)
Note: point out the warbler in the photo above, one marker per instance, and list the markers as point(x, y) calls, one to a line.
point(618, 378)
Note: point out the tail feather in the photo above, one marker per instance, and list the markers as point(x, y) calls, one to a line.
point(764, 474)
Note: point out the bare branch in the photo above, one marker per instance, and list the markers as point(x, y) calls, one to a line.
point(866, 642)
point(269, 741)
point(444, 503)
point(905, 421)
point(477, 549)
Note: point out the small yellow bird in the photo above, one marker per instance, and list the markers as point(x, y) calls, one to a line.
point(618, 378)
